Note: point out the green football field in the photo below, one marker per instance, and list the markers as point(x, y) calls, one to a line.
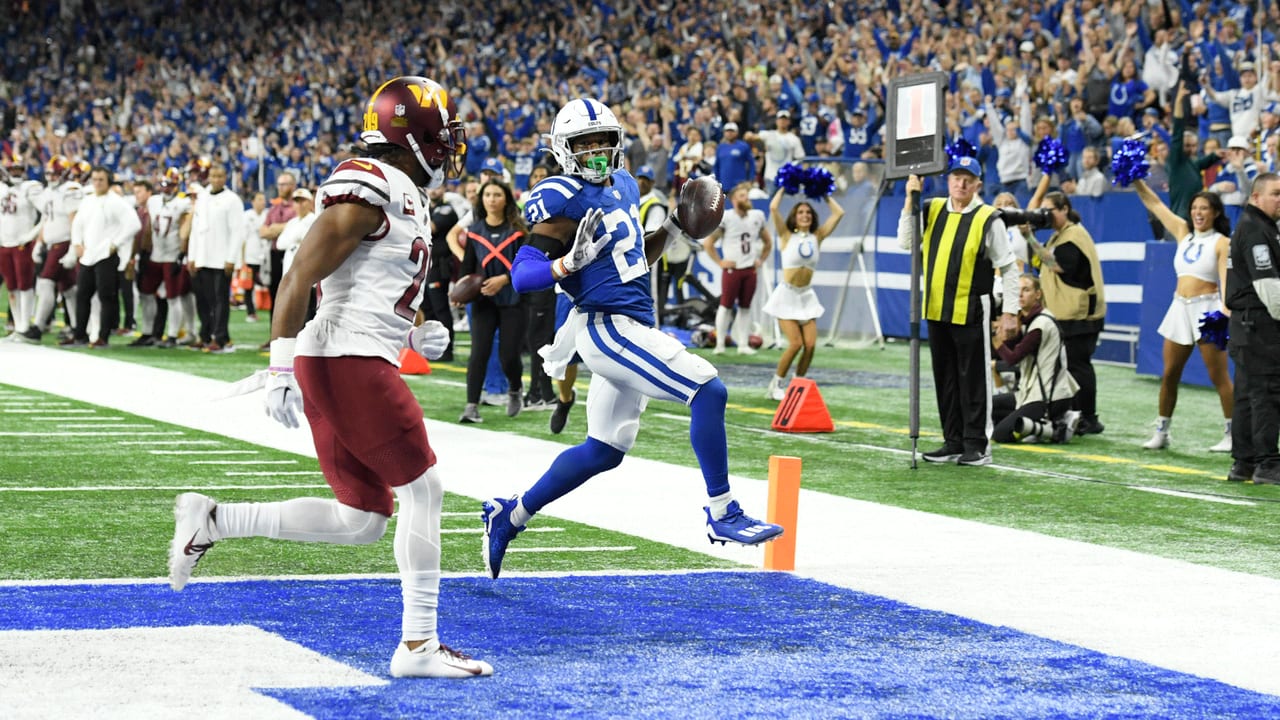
point(99, 505)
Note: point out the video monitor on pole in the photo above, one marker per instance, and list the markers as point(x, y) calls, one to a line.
point(915, 134)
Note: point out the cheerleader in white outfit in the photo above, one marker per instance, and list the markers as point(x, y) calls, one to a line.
point(1201, 265)
point(793, 302)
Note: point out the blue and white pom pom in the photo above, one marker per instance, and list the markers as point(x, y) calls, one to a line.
point(960, 148)
point(818, 183)
point(1214, 328)
point(1050, 156)
point(790, 177)
point(1130, 163)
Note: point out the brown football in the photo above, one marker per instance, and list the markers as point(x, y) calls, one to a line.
point(701, 207)
point(466, 289)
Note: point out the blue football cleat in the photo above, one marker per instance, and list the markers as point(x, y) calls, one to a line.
point(738, 527)
point(498, 533)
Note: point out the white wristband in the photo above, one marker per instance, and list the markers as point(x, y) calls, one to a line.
point(670, 225)
point(282, 355)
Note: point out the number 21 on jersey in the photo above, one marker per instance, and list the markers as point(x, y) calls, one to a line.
point(628, 251)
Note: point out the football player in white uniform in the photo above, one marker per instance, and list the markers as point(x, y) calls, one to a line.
point(58, 204)
point(170, 210)
point(19, 227)
point(744, 244)
point(369, 250)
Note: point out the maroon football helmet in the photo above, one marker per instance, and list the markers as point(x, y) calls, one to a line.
point(81, 171)
point(198, 170)
point(57, 169)
point(417, 114)
point(171, 181)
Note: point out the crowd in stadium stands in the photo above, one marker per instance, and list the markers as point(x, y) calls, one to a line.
point(141, 85)
point(702, 87)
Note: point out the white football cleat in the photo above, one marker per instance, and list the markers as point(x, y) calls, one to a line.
point(1223, 446)
point(1158, 441)
point(443, 662)
point(192, 536)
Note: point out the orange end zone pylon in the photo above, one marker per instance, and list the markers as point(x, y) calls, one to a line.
point(784, 504)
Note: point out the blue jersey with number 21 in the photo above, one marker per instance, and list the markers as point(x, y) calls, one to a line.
point(618, 280)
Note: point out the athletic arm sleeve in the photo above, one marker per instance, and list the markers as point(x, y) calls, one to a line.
point(531, 270)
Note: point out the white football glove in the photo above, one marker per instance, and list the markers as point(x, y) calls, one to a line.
point(586, 246)
point(430, 339)
point(37, 253)
point(284, 399)
point(69, 260)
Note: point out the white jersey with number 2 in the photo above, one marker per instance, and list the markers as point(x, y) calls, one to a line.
point(368, 304)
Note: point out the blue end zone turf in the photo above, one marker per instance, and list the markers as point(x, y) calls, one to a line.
point(714, 645)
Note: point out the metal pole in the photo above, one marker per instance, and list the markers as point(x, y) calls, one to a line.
point(848, 274)
point(871, 301)
point(914, 381)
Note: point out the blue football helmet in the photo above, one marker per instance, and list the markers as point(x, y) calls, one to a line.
point(586, 117)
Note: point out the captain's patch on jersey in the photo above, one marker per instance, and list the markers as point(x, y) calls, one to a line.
point(1262, 257)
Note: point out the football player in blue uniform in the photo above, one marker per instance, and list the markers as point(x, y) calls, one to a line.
point(586, 235)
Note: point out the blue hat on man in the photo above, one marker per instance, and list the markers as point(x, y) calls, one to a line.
point(964, 163)
point(644, 171)
point(492, 165)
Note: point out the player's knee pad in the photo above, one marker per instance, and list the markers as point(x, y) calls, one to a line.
point(363, 527)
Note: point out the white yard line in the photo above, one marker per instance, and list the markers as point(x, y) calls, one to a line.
point(43, 411)
point(172, 442)
point(242, 462)
point(271, 473)
point(1170, 613)
point(82, 433)
point(200, 452)
point(63, 418)
point(82, 426)
point(480, 530)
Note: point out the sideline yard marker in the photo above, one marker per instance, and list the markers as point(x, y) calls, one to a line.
point(802, 409)
point(784, 501)
point(411, 363)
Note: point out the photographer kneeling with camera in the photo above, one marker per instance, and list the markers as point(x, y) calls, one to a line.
point(1071, 277)
point(1041, 409)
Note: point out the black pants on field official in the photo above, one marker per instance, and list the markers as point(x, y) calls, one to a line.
point(487, 318)
point(213, 303)
point(1255, 419)
point(961, 357)
point(541, 306)
point(100, 280)
point(1080, 349)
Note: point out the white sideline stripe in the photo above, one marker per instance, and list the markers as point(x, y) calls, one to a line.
point(678, 418)
point(172, 442)
point(1092, 596)
point(161, 488)
point(199, 452)
point(475, 514)
point(116, 433)
point(595, 548)
point(41, 403)
point(63, 418)
point(270, 473)
point(80, 426)
point(480, 530)
point(1190, 496)
point(242, 462)
point(451, 383)
point(42, 411)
